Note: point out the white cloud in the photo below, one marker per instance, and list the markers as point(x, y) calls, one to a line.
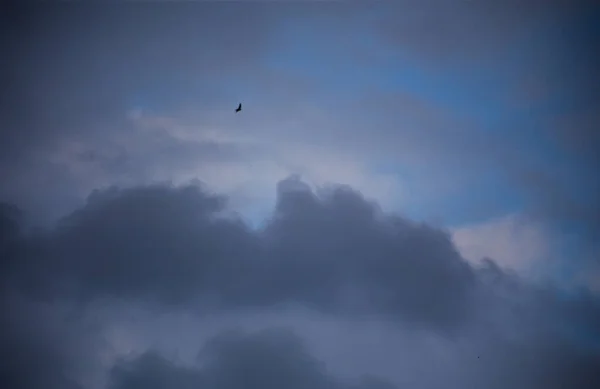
point(512, 241)
point(523, 245)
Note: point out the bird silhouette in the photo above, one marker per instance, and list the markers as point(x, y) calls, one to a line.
point(239, 108)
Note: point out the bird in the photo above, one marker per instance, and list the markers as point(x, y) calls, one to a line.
point(239, 108)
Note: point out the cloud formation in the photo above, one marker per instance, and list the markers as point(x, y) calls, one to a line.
point(336, 253)
point(330, 251)
point(479, 114)
point(231, 360)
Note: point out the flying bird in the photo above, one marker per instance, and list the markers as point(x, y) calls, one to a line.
point(239, 108)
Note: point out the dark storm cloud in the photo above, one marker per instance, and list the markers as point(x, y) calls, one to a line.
point(267, 359)
point(336, 253)
point(508, 349)
point(276, 358)
point(532, 330)
point(330, 251)
point(43, 345)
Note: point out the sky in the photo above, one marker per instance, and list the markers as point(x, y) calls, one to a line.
point(409, 197)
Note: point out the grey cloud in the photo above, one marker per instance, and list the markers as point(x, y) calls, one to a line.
point(182, 54)
point(334, 252)
point(568, 192)
point(152, 371)
point(347, 248)
point(44, 345)
point(486, 33)
point(579, 131)
point(529, 358)
point(330, 251)
point(266, 359)
point(555, 200)
point(67, 77)
point(65, 74)
point(132, 155)
point(452, 32)
point(534, 336)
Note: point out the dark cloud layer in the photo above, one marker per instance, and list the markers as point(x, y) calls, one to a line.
point(233, 360)
point(336, 253)
point(330, 251)
point(43, 345)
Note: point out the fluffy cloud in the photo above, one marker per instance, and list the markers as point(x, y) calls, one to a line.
point(335, 252)
point(332, 252)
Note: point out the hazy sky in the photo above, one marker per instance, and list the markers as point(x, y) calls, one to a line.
point(409, 198)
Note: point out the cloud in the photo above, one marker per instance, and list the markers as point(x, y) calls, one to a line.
point(177, 249)
point(430, 100)
point(168, 244)
point(571, 195)
point(449, 32)
point(152, 56)
point(312, 109)
point(256, 160)
point(513, 242)
point(272, 358)
point(543, 47)
point(158, 60)
point(46, 345)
